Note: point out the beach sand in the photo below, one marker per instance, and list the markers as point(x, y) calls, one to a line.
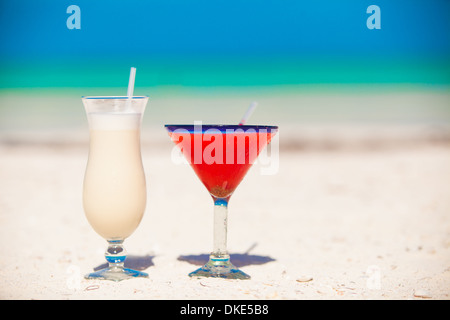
point(352, 213)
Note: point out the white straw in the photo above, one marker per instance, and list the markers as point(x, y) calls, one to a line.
point(131, 83)
point(248, 113)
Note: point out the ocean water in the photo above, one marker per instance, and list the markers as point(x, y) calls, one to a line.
point(219, 90)
point(223, 71)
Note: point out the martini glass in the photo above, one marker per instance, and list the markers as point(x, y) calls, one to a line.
point(221, 155)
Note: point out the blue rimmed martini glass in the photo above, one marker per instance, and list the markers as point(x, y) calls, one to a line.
point(221, 155)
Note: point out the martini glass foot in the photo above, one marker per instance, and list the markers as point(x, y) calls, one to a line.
point(219, 267)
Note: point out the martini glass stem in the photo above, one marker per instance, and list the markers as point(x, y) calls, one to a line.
point(220, 227)
point(219, 264)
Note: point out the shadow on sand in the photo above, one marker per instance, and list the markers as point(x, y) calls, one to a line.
point(238, 259)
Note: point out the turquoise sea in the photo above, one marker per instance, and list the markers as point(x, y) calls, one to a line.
point(287, 91)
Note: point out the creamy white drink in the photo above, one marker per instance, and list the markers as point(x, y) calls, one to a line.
point(114, 188)
point(114, 192)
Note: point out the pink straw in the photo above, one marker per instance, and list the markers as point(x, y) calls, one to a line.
point(248, 113)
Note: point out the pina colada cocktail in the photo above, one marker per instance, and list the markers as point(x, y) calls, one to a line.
point(114, 193)
point(221, 155)
point(114, 190)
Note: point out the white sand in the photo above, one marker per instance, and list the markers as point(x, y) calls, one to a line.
point(338, 221)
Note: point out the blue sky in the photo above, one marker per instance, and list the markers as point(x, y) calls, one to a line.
point(37, 29)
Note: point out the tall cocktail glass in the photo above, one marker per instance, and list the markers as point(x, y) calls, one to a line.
point(221, 155)
point(114, 189)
